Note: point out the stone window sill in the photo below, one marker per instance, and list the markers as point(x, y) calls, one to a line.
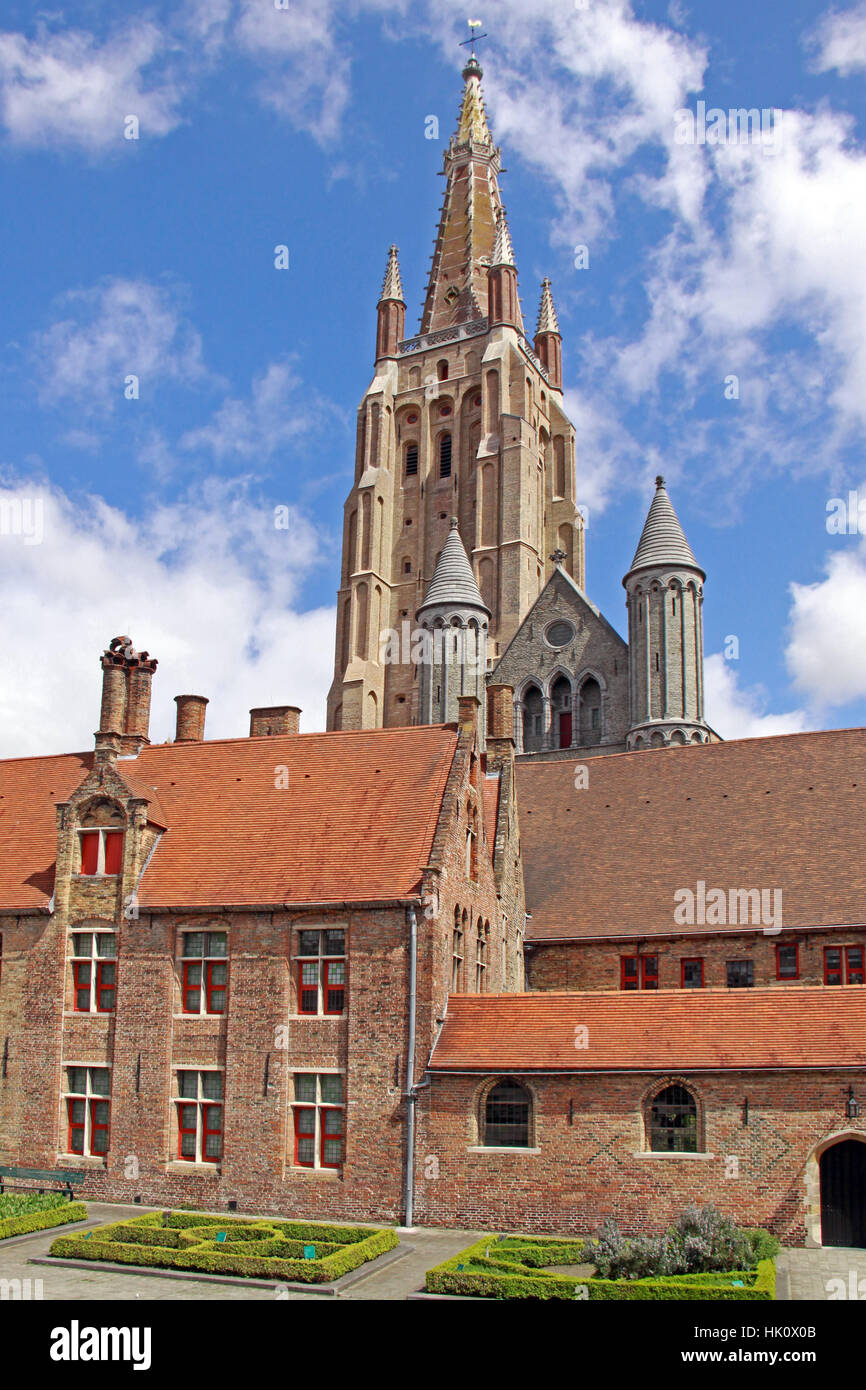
point(687, 1157)
point(84, 1161)
point(499, 1149)
point(327, 1174)
point(200, 1170)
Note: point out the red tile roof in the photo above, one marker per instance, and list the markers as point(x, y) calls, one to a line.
point(787, 812)
point(355, 823)
point(29, 791)
point(791, 1026)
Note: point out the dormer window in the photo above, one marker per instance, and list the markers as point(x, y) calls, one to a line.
point(101, 852)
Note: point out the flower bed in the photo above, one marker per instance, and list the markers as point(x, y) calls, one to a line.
point(300, 1252)
point(36, 1211)
point(514, 1267)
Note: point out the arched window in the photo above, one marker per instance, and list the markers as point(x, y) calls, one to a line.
point(560, 699)
point(411, 460)
point(444, 456)
point(590, 712)
point(442, 370)
point(558, 466)
point(480, 956)
point(472, 846)
point(507, 1116)
point(673, 1121)
point(457, 953)
point(532, 719)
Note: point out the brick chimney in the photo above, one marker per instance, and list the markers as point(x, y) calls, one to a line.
point(500, 724)
point(127, 676)
point(274, 719)
point(191, 711)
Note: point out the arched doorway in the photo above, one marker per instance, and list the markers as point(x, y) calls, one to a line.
point(843, 1194)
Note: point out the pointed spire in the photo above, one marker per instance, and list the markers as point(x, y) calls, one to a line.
point(453, 582)
point(503, 251)
point(457, 288)
point(547, 320)
point(392, 287)
point(663, 541)
point(472, 124)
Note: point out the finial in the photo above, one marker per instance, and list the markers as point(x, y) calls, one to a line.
point(503, 251)
point(454, 523)
point(660, 482)
point(558, 556)
point(392, 287)
point(472, 68)
point(547, 320)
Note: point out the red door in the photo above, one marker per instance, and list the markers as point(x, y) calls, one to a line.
point(565, 730)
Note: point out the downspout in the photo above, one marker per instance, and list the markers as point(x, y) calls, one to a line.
point(409, 1185)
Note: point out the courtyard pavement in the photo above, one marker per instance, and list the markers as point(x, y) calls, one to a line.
point(428, 1247)
point(810, 1274)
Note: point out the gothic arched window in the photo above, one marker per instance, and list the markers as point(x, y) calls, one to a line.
point(673, 1121)
point(560, 699)
point(590, 712)
point(507, 1116)
point(533, 708)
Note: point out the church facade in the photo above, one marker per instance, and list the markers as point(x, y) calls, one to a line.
point(518, 943)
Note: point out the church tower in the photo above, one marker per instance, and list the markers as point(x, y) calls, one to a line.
point(665, 634)
point(464, 420)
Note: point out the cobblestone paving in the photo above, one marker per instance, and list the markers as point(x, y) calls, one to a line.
point(428, 1247)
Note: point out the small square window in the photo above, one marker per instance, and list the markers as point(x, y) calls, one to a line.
point(787, 962)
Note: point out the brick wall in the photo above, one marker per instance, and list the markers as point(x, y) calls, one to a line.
point(589, 1161)
point(596, 965)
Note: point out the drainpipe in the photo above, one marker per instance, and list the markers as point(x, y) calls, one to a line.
point(409, 1188)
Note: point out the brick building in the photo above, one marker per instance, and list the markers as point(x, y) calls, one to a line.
point(445, 962)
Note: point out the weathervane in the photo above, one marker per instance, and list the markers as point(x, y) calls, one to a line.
point(473, 37)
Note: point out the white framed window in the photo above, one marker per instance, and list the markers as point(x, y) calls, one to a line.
point(100, 852)
point(205, 972)
point(322, 970)
point(319, 1119)
point(94, 971)
point(87, 1102)
point(199, 1103)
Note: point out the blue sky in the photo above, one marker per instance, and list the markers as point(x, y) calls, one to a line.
point(306, 127)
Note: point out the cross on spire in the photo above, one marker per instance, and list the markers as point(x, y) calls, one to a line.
point(473, 36)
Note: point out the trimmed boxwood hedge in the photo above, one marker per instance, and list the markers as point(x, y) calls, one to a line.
point(514, 1269)
point(255, 1248)
point(54, 1215)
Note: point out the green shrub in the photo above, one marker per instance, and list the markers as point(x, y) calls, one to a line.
point(42, 1218)
point(702, 1240)
point(21, 1204)
point(504, 1274)
point(176, 1241)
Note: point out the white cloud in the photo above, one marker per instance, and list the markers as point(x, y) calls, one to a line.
point(280, 411)
point(66, 88)
point(741, 713)
point(207, 585)
point(841, 39)
point(117, 329)
point(306, 70)
point(826, 652)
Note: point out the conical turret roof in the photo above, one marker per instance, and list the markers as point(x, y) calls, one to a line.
point(663, 541)
point(503, 251)
point(547, 320)
point(392, 287)
point(453, 581)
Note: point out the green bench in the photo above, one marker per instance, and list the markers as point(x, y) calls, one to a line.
point(63, 1179)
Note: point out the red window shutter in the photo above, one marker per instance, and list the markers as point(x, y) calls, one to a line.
point(113, 851)
point(565, 730)
point(89, 851)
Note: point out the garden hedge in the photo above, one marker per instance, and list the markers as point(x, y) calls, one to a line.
point(44, 1217)
point(513, 1269)
point(254, 1248)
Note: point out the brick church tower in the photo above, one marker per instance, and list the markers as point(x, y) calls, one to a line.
point(464, 420)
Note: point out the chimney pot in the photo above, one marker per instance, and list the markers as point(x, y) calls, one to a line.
point(191, 711)
point(270, 720)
